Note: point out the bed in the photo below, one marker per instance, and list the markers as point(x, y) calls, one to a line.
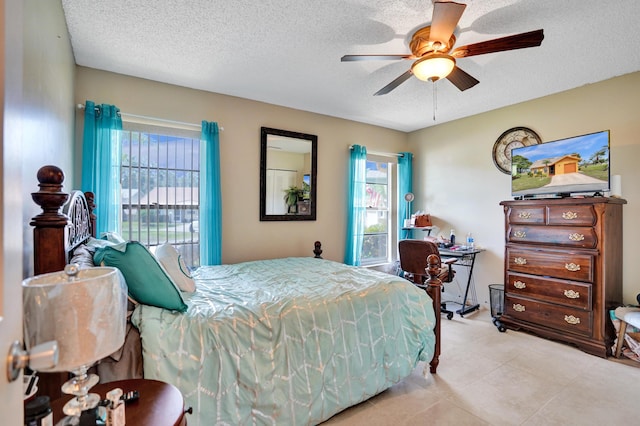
point(281, 341)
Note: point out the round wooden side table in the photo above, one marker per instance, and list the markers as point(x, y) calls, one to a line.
point(160, 404)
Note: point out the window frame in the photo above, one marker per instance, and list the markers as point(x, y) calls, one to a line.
point(390, 210)
point(185, 237)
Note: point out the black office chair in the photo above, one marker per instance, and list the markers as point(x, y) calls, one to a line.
point(413, 263)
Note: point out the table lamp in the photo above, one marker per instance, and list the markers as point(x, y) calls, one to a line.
point(408, 197)
point(84, 310)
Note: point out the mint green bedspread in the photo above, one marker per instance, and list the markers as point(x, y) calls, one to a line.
point(287, 341)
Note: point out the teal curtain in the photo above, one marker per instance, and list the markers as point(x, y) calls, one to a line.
point(357, 209)
point(101, 163)
point(405, 185)
point(210, 196)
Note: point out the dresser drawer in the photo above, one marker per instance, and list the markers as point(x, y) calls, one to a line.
point(576, 236)
point(566, 319)
point(569, 266)
point(529, 215)
point(552, 290)
point(571, 215)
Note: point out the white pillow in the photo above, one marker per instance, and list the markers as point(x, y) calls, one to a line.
point(112, 237)
point(174, 264)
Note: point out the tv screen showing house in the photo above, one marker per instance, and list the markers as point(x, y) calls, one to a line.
point(574, 165)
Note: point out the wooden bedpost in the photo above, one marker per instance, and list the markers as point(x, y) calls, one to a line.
point(49, 248)
point(434, 287)
point(66, 221)
point(49, 251)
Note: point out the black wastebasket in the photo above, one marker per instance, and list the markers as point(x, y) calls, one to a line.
point(496, 300)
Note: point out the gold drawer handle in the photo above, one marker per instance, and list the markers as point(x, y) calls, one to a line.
point(519, 284)
point(576, 237)
point(520, 234)
point(524, 215)
point(571, 319)
point(571, 294)
point(518, 307)
point(569, 215)
point(572, 267)
point(520, 261)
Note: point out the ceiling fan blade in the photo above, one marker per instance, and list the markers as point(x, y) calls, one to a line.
point(518, 41)
point(395, 83)
point(445, 18)
point(461, 79)
point(349, 58)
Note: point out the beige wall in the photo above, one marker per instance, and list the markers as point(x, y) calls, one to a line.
point(244, 236)
point(47, 104)
point(456, 181)
point(454, 176)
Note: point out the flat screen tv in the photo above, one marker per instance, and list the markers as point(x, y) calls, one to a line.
point(575, 165)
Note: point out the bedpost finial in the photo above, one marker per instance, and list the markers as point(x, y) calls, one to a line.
point(50, 197)
point(50, 175)
point(433, 267)
point(317, 249)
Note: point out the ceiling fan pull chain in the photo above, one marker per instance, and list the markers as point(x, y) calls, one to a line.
point(435, 99)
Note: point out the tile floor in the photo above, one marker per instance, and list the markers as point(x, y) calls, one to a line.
point(490, 378)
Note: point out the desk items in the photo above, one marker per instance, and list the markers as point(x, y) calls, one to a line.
point(115, 408)
point(130, 396)
point(422, 220)
point(30, 382)
point(409, 221)
point(37, 412)
point(157, 403)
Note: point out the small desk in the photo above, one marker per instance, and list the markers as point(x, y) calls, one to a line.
point(465, 258)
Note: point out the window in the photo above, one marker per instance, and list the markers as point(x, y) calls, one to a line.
point(160, 175)
point(377, 238)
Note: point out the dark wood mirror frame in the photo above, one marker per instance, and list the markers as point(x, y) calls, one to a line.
point(310, 207)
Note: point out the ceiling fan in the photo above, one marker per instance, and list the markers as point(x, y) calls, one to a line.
point(435, 58)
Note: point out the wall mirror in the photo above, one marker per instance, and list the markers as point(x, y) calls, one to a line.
point(287, 175)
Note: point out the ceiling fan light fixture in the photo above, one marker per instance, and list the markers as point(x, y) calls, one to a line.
point(433, 67)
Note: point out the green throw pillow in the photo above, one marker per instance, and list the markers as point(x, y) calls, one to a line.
point(148, 283)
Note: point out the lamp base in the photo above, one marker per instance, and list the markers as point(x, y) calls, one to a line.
point(79, 386)
point(76, 406)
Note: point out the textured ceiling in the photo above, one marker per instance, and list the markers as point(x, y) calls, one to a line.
point(287, 52)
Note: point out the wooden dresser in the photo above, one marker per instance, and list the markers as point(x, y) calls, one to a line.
point(563, 269)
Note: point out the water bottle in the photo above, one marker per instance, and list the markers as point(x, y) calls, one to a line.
point(452, 237)
point(469, 241)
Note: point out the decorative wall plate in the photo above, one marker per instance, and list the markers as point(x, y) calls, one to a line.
point(512, 138)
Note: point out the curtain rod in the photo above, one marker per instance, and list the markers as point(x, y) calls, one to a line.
point(143, 119)
point(381, 154)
